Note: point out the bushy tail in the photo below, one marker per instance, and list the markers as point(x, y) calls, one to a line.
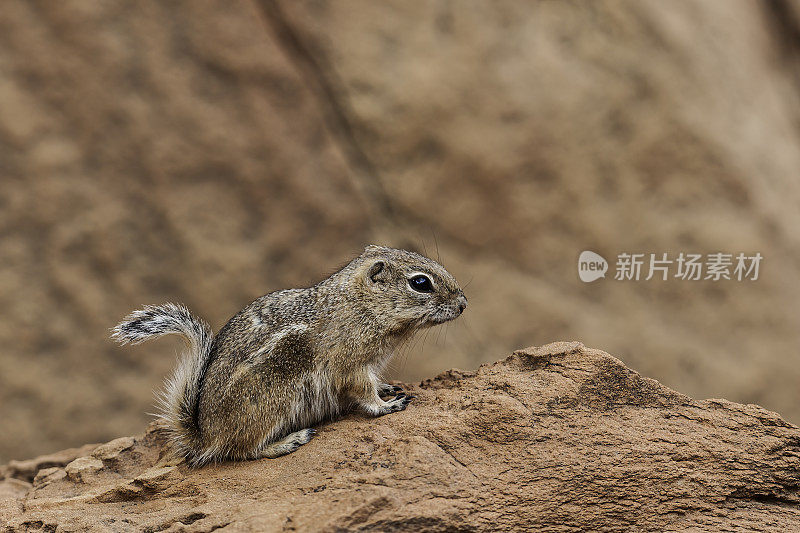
point(178, 400)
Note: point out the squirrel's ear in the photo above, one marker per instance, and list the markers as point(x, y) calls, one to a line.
point(378, 272)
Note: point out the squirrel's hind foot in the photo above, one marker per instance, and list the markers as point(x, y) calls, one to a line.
point(286, 445)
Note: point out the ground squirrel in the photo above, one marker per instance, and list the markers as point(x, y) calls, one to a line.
point(294, 357)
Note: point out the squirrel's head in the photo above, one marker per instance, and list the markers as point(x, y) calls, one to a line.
point(418, 291)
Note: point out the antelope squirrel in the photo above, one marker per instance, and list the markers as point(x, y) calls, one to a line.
point(294, 357)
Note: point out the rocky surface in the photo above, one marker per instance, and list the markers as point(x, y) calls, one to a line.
point(209, 151)
point(554, 438)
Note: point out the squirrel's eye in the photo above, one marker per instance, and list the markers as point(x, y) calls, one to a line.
point(421, 283)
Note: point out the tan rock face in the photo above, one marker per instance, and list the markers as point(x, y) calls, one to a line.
point(556, 438)
point(208, 152)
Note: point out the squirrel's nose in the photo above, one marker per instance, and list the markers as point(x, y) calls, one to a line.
point(462, 303)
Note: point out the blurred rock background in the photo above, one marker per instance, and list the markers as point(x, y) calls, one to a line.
point(209, 152)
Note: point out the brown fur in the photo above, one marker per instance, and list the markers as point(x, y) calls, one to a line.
point(295, 357)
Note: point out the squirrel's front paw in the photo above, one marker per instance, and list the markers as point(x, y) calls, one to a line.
point(387, 389)
point(379, 407)
point(398, 403)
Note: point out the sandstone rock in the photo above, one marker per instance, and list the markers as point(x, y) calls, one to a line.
point(28, 469)
point(112, 450)
point(82, 469)
point(554, 438)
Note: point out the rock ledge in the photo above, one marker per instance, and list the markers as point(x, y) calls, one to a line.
point(555, 438)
